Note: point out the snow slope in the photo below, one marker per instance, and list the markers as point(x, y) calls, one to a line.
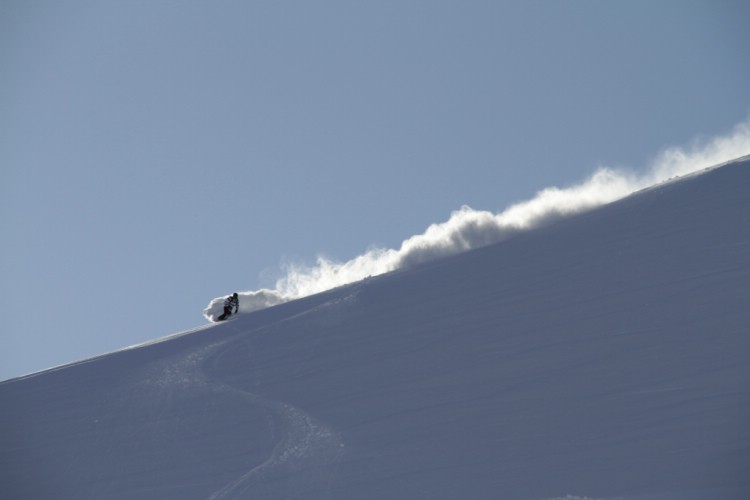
point(605, 356)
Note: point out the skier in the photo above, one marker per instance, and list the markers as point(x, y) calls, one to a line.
point(233, 301)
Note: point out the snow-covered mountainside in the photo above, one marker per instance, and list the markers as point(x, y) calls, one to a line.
point(604, 356)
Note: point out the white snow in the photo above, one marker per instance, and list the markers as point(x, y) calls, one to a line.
point(602, 356)
point(468, 229)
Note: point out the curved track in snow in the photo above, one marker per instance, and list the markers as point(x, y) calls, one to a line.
point(306, 450)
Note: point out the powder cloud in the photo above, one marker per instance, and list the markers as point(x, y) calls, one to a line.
point(467, 228)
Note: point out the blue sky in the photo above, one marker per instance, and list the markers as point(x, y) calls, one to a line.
point(157, 154)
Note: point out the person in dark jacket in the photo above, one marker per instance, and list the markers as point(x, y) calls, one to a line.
point(231, 302)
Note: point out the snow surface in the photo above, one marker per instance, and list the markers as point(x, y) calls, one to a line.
point(605, 356)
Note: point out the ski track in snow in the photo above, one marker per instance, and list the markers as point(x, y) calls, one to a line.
point(307, 445)
point(307, 451)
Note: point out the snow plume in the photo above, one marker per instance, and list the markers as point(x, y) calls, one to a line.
point(468, 228)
